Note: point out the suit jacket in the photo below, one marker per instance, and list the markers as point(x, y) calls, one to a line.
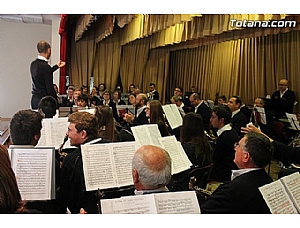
point(205, 112)
point(237, 121)
point(223, 156)
point(239, 196)
point(282, 105)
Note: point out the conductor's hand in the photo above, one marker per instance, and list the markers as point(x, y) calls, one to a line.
point(61, 63)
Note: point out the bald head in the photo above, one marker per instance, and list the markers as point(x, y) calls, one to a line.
point(151, 167)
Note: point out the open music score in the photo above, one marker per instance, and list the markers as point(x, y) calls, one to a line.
point(35, 172)
point(107, 165)
point(283, 196)
point(184, 202)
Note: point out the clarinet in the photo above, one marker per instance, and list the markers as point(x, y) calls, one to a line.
point(62, 154)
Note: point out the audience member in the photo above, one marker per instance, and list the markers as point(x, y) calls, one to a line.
point(241, 195)
point(117, 98)
point(196, 147)
point(264, 119)
point(83, 100)
point(223, 151)
point(10, 198)
point(151, 170)
point(42, 74)
point(238, 119)
point(222, 100)
point(47, 107)
point(201, 108)
point(155, 115)
point(95, 99)
point(106, 125)
point(69, 100)
point(83, 128)
point(101, 89)
point(152, 94)
point(283, 100)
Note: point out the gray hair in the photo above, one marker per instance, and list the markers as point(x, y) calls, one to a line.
point(153, 165)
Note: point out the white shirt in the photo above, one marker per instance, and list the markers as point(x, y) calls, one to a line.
point(227, 127)
point(236, 173)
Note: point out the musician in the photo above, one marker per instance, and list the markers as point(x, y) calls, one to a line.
point(83, 128)
point(266, 124)
point(151, 170)
point(25, 131)
point(223, 152)
point(241, 195)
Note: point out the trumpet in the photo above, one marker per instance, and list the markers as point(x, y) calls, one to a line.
point(62, 154)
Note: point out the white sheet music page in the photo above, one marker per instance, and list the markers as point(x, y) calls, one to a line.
point(173, 115)
point(53, 132)
point(292, 183)
point(147, 134)
point(107, 165)
point(184, 202)
point(33, 169)
point(277, 199)
point(138, 204)
point(180, 161)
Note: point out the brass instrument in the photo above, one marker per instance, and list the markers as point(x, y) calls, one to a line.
point(62, 154)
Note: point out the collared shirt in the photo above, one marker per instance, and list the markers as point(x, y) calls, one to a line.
point(282, 93)
point(235, 112)
point(140, 110)
point(227, 127)
point(236, 173)
point(141, 192)
point(42, 58)
point(196, 108)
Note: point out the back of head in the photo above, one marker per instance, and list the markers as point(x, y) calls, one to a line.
point(223, 111)
point(47, 106)
point(156, 112)
point(10, 197)
point(153, 165)
point(43, 46)
point(85, 121)
point(192, 127)
point(260, 149)
point(24, 125)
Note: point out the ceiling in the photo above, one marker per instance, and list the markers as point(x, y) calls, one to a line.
point(30, 18)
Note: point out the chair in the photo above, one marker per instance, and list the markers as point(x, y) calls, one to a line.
point(201, 175)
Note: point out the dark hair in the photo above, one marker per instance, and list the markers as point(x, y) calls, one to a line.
point(260, 149)
point(223, 97)
point(192, 131)
point(223, 111)
point(105, 118)
point(238, 100)
point(10, 197)
point(48, 106)
point(24, 125)
point(85, 121)
point(43, 46)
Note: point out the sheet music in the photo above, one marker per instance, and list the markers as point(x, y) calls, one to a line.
point(185, 202)
point(173, 115)
point(292, 183)
point(292, 118)
point(147, 134)
point(53, 132)
point(107, 165)
point(180, 161)
point(262, 114)
point(277, 199)
point(157, 203)
point(139, 204)
point(34, 170)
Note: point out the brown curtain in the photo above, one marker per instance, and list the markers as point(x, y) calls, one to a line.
point(247, 67)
